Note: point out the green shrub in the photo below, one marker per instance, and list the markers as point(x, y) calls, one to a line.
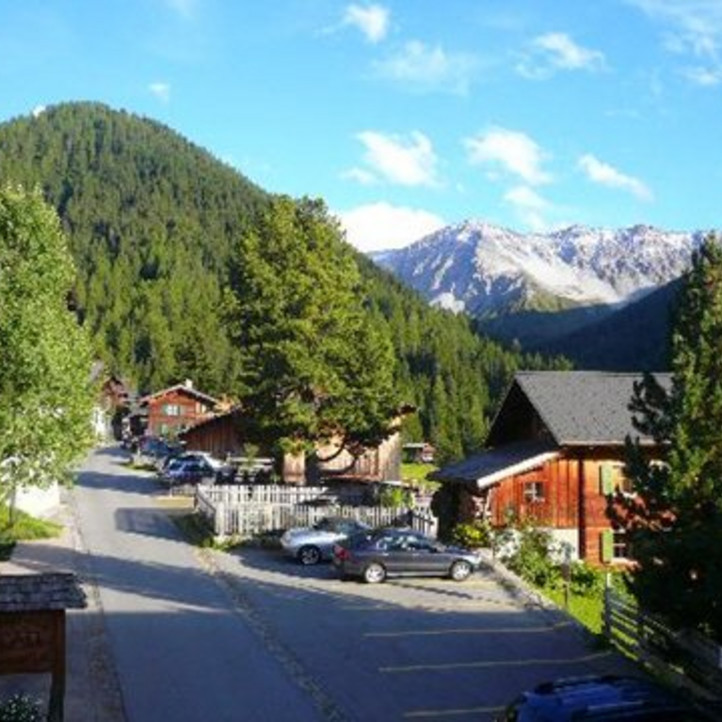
point(475, 534)
point(19, 708)
point(396, 496)
point(531, 559)
point(585, 581)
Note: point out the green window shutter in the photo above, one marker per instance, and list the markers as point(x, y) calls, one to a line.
point(606, 479)
point(607, 545)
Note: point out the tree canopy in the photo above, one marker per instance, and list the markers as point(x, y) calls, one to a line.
point(313, 365)
point(46, 394)
point(675, 520)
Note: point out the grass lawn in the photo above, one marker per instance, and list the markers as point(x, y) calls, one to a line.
point(587, 610)
point(24, 527)
point(417, 473)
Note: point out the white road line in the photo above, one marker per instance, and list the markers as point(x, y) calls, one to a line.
point(492, 663)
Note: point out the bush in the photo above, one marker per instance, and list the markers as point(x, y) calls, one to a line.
point(396, 496)
point(585, 581)
point(19, 708)
point(475, 534)
point(531, 559)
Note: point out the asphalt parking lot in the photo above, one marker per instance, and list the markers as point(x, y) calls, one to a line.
point(408, 648)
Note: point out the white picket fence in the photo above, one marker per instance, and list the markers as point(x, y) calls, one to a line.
point(244, 511)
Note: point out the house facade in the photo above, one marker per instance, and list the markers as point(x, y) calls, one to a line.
point(171, 411)
point(556, 454)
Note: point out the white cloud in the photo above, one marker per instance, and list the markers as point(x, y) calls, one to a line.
point(695, 31)
point(557, 51)
point(510, 150)
point(381, 226)
point(38, 110)
point(161, 91)
point(406, 161)
point(360, 175)
point(697, 22)
point(371, 20)
point(606, 175)
point(529, 206)
point(428, 69)
point(704, 76)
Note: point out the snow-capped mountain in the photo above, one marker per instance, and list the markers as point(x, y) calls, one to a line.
point(484, 269)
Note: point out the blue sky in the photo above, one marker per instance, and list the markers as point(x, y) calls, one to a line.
point(408, 115)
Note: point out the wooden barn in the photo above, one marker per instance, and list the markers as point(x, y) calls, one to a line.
point(556, 451)
point(170, 411)
point(226, 434)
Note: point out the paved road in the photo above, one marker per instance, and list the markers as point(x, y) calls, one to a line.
point(203, 636)
point(182, 652)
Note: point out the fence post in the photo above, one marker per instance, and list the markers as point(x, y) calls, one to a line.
point(607, 612)
point(219, 519)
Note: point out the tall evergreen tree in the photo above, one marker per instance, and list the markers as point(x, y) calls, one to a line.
point(46, 394)
point(314, 366)
point(675, 521)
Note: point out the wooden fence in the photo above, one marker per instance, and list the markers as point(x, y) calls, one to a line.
point(243, 511)
point(686, 656)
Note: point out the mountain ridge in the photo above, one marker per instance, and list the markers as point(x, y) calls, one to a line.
point(485, 269)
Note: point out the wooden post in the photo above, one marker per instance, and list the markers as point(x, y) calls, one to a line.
point(607, 612)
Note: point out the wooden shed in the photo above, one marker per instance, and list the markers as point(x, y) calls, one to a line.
point(555, 453)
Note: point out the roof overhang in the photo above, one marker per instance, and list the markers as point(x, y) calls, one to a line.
point(490, 467)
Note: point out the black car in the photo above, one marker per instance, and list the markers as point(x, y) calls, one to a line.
point(401, 552)
point(604, 699)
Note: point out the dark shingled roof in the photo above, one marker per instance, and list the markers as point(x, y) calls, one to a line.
point(584, 408)
point(490, 466)
point(40, 592)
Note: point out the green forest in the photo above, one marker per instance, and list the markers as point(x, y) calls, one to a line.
point(153, 224)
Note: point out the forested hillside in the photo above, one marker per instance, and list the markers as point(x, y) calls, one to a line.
point(152, 222)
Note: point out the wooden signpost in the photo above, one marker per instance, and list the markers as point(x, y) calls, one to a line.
point(32, 628)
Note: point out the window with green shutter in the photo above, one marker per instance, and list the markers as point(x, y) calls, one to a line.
point(607, 545)
point(606, 479)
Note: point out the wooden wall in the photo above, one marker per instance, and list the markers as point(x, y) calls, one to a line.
point(560, 505)
point(191, 412)
point(573, 497)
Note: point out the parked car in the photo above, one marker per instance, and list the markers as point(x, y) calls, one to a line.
point(310, 545)
point(605, 698)
point(189, 471)
point(402, 552)
point(220, 472)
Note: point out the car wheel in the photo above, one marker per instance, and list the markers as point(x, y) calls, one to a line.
point(309, 555)
point(374, 573)
point(460, 570)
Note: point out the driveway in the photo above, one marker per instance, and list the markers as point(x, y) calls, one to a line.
point(409, 648)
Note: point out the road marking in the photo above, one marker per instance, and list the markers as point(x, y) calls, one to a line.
point(394, 604)
point(492, 663)
point(421, 713)
point(440, 632)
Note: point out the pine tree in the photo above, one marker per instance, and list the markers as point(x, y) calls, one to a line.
point(314, 364)
point(675, 521)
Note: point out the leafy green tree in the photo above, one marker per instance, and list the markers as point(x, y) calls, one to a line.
point(675, 521)
point(314, 364)
point(46, 395)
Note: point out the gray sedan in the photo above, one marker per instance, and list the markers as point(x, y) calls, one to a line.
point(402, 552)
point(311, 545)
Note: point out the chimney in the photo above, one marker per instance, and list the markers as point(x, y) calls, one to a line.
point(188, 383)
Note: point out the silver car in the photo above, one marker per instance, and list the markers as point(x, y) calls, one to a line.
point(314, 544)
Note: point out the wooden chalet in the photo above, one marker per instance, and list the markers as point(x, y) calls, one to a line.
point(556, 452)
point(225, 436)
point(171, 411)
